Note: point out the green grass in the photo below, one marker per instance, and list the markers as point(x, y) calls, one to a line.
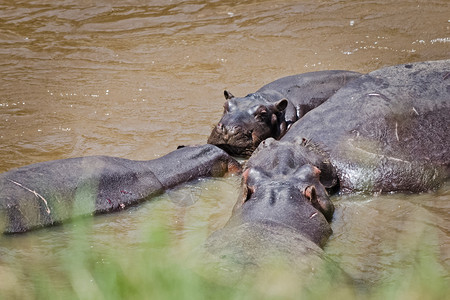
point(158, 269)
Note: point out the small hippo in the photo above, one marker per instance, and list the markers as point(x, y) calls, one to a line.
point(49, 193)
point(281, 215)
point(270, 111)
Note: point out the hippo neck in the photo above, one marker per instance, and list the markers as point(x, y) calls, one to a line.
point(316, 233)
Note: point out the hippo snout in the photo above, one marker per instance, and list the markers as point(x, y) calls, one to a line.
point(228, 134)
point(232, 138)
point(227, 130)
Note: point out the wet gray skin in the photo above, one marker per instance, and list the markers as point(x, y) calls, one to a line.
point(270, 111)
point(280, 217)
point(287, 162)
point(387, 131)
point(284, 190)
point(290, 200)
point(53, 192)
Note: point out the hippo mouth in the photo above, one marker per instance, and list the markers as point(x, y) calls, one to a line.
point(236, 142)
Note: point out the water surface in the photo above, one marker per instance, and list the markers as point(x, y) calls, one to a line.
point(135, 79)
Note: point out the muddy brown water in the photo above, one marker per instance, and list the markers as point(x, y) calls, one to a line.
point(135, 79)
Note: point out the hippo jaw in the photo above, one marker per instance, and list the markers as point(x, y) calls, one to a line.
point(292, 201)
point(246, 122)
point(234, 141)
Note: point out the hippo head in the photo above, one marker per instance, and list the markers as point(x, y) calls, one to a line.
point(247, 121)
point(295, 199)
point(281, 157)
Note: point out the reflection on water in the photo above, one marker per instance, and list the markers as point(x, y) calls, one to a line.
point(135, 80)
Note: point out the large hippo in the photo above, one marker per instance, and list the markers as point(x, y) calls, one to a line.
point(270, 111)
point(49, 193)
point(280, 217)
point(387, 131)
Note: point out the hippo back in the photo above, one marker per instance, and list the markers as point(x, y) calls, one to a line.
point(387, 130)
point(52, 192)
point(309, 90)
point(236, 255)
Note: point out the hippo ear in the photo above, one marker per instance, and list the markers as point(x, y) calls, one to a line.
point(228, 95)
point(310, 193)
point(281, 105)
point(247, 191)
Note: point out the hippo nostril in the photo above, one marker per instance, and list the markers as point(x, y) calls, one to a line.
point(221, 128)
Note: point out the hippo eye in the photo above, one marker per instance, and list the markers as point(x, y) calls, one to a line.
point(310, 193)
point(261, 114)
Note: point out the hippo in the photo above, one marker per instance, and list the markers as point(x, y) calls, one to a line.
point(270, 111)
point(282, 215)
point(386, 131)
point(53, 192)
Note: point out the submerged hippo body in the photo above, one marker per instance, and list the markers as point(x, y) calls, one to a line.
point(387, 131)
point(51, 192)
point(270, 111)
point(278, 218)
